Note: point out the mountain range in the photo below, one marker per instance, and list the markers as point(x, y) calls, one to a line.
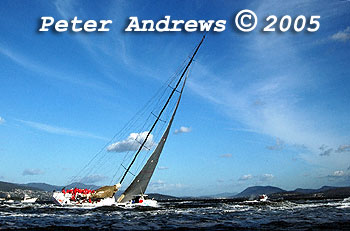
point(250, 192)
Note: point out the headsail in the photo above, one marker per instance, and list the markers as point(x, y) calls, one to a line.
point(140, 183)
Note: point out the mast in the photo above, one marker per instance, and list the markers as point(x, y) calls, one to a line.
point(161, 112)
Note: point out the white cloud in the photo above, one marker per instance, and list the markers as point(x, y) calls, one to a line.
point(157, 185)
point(266, 177)
point(227, 155)
point(273, 102)
point(338, 173)
point(160, 185)
point(342, 36)
point(343, 148)
point(2, 120)
point(183, 129)
point(245, 177)
point(162, 168)
point(93, 179)
point(32, 172)
point(261, 178)
point(59, 130)
point(132, 143)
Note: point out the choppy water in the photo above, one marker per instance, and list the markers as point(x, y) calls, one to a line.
point(209, 215)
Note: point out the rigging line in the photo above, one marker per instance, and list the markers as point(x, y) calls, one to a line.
point(158, 133)
point(175, 106)
point(126, 172)
point(102, 149)
point(181, 67)
point(129, 124)
point(145, 156)
point(172, 117)
point(171, 79)
point(164, 121)
point(127, 156)
point(161, 100)
point(99, 163)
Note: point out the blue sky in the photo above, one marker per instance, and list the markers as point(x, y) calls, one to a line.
point(259, 108)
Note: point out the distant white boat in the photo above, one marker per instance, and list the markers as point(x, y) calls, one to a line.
point(263, 198)
point(28, 199)
point(9, 201)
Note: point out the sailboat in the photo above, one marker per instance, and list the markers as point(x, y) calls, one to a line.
point(28, 199)
point(134, 193)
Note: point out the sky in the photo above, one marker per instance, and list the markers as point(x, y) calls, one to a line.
point(258, 108)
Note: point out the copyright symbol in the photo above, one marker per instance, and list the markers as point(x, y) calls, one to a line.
point(242, 25)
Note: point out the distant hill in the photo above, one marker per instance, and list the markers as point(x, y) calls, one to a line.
point(161, 197)
point(334, 192)
point(258, 190)
point(43, 186)
point(308, 191)
point(221, 195)
point(6, 186)
point(81, 185)
point(43, 189)
point(50, 188)
point(321, 193)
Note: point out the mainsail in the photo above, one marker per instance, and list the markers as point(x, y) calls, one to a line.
point(140, 183)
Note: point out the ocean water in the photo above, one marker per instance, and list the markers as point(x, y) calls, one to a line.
point(184, 215)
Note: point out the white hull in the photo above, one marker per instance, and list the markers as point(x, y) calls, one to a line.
point(145, 203)
point(31, 200)
point(28, 199)
point(64, 200)
point(9, 201)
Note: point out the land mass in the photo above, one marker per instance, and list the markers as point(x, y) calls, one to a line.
point(44, 192)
